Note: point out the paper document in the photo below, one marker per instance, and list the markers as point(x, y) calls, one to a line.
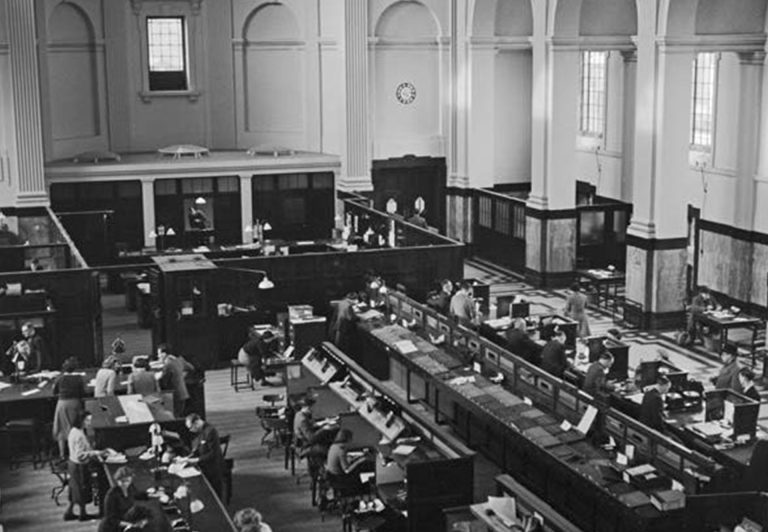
point(135, 409)
point(587, 420)
point(30, 392)
point(405, 347)
point(4, 385)
point(505, 509)
point(404, 450)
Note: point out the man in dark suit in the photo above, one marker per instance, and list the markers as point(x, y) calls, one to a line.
point(441, 301)
point(206, 451)
point(652, 407)
point(728, 377)
point(553, 358)
point(519, 341)
point(594, 381)
point(38, 351)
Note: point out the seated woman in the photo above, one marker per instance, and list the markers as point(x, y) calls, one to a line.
point(140, 380)
point(249, 520)
point(119, 510)
point(341, 472)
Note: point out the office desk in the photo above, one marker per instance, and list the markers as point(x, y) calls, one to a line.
point(123, 421)
point(213, 517)
point(607, 283)
point(723, 322)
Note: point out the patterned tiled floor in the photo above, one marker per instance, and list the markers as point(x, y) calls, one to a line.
point(700, 363)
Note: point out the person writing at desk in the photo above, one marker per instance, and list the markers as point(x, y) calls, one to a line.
point(206, 451)
point(311, 442)
point(553, 356)
point(728, 377)
point(120, 513)
point(747, 382)
point(172, 378)
point(462, 307)
point(342, 472)
point(595, 380)
point(652, 407)
point(701, 303)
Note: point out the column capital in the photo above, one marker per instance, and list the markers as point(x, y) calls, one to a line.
point(629, 56)
point(752, 58)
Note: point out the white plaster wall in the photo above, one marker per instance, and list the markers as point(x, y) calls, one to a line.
point(482, 117)
point(726, 113)
point(512, 116)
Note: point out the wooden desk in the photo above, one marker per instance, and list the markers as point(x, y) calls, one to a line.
point(123, 421)
point(214, 516)
point(723, 322)
point(607, 283)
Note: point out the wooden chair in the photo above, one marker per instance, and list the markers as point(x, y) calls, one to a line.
point(60, 470)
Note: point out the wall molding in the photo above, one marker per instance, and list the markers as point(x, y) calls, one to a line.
point(656, 244)
point(738, 233)
point(561, 214)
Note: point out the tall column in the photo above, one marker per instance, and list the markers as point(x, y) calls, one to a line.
point(459, 200)
point(550, 212)
point(25, 86)
point(628, 122)
point(657, 236)
point(148, 209)
point(357, 160)
point(246, 207)
point(750, 89)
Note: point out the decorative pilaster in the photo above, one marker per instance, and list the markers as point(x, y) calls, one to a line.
point(246, 207)
point(750, 89)
point(628, 123)
point(148, 209)
point(357, 161)
point(25, 85)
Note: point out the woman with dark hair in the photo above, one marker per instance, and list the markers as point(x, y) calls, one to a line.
point(70, 389)
point(119, 510)
point(576, 309)
point(341, 472)
point(80, 456)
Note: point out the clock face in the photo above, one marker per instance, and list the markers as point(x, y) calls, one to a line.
point(405, 93)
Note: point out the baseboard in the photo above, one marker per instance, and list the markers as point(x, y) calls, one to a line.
point(549, 279)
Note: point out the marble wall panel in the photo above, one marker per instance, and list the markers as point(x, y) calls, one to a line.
point(561, 245)
point(533, 251)
point(637, 265)
point(668, 293)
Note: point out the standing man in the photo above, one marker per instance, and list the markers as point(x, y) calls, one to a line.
point(206, 451)
point(728, 378)
point(652, 407)
point(38, 351)
point(594, 381)
point(462, 306)
point(553, 358)
point(576, 309)
point(342, 326)
point(172, 378)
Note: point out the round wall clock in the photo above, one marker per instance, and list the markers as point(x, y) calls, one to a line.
point(405, 93)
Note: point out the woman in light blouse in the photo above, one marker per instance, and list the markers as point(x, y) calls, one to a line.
point(80, 455)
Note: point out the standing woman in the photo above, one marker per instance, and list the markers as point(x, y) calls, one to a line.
point(70, 389)
point(576, 309)
point(80, 457)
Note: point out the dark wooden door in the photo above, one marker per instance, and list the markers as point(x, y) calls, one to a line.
point(407, 178)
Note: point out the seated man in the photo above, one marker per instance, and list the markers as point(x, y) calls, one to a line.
point(728, 377)
point(594, 382)
point(701, 303)
point(520, 341)
point(553, 357)
point(652, 407)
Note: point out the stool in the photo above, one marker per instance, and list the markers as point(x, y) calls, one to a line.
point(19, 435)
point(59, 469)
point(235, 380)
